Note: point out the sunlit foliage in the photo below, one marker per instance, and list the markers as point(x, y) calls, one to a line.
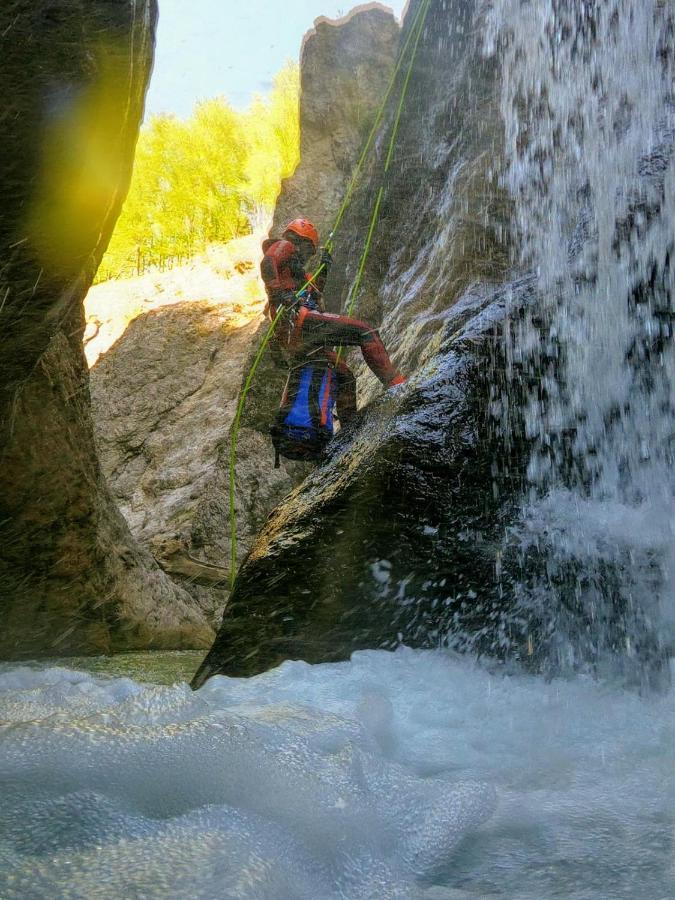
point(273, 130)
point(211, 178)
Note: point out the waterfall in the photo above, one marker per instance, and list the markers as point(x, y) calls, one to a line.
point(589, 111)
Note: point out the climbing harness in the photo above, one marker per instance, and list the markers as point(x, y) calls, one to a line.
point(413, 39)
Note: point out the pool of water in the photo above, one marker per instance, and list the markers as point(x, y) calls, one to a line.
point(407, 774)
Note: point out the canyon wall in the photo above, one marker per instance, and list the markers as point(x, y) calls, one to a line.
point(521, 275)
point(393, 538)
point(165, 394)
point(72, 579)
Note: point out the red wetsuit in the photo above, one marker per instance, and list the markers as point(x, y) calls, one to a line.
point(305, 332)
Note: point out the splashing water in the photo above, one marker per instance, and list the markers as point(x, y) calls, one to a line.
point(410, 774)
point(589, 109)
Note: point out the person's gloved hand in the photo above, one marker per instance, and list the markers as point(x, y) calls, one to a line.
point(287, 299)
point(309, 298)
point(326, 257)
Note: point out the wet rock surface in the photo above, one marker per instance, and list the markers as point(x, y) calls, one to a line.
point(444, 222)
point(397, 537)
point(72, 579)
point(364, 552)
point(433, 520)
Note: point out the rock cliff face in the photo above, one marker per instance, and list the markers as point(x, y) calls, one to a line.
point(165, 394)
point(392, 539)
point(72, 579)
point(164, 397)
point(444, 222)
point(463, 508)
point(345, 67)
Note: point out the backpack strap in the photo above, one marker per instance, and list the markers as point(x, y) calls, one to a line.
point(295, 333)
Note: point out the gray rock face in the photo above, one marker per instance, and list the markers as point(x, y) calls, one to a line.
point(412, 531)
point(444, 222)
point(164, 398)
point(72, 578)
point(345, 67)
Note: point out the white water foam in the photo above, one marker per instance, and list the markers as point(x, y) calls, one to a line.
point(412, 774)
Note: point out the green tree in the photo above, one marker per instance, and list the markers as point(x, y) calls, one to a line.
point(273, 130)
point(206, 179)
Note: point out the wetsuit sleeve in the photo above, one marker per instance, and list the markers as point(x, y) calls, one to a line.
point(281, 268)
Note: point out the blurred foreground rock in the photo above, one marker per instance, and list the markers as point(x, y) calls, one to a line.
point(72, 578)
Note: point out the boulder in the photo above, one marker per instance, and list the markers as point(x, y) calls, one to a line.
point(164, 398)
point(397, 538)
point(345, 66)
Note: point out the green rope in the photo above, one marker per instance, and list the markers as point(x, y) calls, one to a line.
point(364, 256)
point(235, 435)
point(416, 30)
point(423, 9)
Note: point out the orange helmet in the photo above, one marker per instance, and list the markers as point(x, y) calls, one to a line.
point(304, 229)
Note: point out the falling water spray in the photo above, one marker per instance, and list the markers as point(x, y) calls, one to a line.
point(588, 106)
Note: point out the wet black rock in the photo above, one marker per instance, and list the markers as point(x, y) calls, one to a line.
point(397, 537)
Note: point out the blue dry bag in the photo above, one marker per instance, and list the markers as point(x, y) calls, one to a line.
point(304, 423)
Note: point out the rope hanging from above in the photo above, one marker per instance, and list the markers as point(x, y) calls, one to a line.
point(413, 39)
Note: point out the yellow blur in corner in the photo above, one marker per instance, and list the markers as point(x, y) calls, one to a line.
point(83, 171)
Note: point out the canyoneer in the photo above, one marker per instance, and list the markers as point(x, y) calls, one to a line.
point(305, 339)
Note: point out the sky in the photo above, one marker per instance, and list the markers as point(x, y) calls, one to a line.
point(231, 48)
